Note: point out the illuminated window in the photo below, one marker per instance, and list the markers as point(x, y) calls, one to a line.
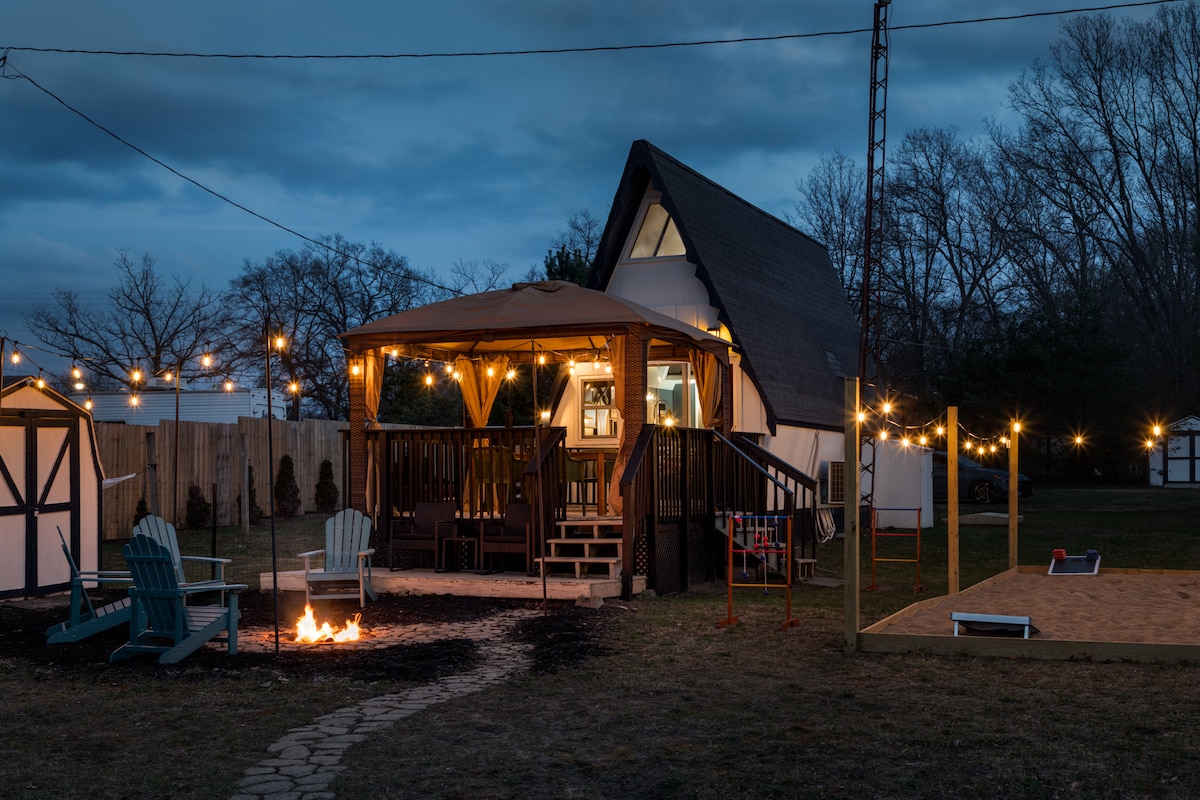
point(658, 237)
point(599, 412)
point(671, 396)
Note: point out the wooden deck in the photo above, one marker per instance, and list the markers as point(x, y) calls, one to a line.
point(587, 591)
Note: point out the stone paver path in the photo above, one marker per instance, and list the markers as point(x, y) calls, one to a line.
point(304, 763)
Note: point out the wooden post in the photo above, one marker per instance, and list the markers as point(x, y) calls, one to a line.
point(1013, 489)
point(853, 455)
point(952, 499)
point(152, 473)
point(245, 510)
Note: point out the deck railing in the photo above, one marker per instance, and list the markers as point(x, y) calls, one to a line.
point(677, 487)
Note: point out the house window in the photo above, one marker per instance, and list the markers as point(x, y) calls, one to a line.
point(658, 237)
point(599, 413)
point(671, 396)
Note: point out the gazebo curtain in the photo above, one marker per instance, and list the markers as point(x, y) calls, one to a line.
point(616, 358)
point(479, 389)
point(707, 372)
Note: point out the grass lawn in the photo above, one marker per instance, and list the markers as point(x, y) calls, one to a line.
point(678, 707)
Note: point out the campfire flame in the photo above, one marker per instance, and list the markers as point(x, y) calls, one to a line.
point(308, 632)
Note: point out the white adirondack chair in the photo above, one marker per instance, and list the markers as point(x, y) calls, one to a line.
point(347, 560)
point(163, 532)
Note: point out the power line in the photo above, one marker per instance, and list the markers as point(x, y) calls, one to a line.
point(579, 50)
point(19, 74)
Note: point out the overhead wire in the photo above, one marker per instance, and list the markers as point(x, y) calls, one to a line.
point(594, 48)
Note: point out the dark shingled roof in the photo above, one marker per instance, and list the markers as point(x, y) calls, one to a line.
point(775, 288)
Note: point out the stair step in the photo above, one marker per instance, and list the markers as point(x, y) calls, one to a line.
point(612, 562)
point(584, 540)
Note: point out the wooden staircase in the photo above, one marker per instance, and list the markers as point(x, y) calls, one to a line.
point(587, 545)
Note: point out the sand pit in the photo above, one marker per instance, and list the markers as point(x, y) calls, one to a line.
point(1113, 606)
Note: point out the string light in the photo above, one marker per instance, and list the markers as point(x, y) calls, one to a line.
point(16, 356)
point(428, 379)
point(228, 385)
point(512, 373)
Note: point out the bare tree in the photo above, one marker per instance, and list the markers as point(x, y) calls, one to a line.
point(1111, 142)
point(148, 324)
point(832, 209)
point(582, 235)
point(311, 296)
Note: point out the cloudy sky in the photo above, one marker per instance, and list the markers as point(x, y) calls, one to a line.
point(439, 159)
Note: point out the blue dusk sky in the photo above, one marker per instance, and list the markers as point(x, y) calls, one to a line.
point(442, 159)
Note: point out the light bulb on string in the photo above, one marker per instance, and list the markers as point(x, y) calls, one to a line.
point(428, 379)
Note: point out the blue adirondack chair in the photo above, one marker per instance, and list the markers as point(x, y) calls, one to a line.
point(161, 621)
point(163, 532)
point(347, 567)
point(85, 619)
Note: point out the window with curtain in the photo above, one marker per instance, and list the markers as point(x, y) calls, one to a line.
point(599, 419)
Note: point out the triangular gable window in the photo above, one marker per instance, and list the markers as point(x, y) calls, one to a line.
point(658, 237)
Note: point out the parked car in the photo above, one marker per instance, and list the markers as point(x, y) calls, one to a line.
point(976, 482)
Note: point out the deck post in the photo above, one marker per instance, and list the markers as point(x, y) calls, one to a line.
point(357, 495)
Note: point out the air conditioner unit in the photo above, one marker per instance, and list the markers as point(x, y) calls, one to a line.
point(832, 477)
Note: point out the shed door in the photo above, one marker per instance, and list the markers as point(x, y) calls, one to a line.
point(1182, 457)
point(39, 493)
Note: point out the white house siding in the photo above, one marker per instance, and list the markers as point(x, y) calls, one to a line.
point(195, 405)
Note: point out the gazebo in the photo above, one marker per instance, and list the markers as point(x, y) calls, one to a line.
point(486, 334)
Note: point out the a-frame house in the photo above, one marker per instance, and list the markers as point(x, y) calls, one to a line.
point(680, 244)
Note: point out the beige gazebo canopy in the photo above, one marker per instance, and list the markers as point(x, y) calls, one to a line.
point(554, 319)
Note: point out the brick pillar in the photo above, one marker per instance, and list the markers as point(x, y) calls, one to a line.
point(633, 418)
point(357, 494)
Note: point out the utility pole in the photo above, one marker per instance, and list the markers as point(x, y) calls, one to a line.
point(872, 271)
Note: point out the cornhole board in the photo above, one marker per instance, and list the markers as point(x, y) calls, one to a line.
point(1075, 565)
point(992, 624)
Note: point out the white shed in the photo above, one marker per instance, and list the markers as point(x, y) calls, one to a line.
point(1175, 459)
point(50, 478)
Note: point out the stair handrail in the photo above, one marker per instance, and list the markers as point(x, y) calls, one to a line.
point(790, 504)
point(777, 463)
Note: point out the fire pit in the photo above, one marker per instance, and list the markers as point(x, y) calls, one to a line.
point(308, 632)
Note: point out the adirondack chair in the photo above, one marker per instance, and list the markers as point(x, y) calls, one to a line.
point(85, 619)
point(347, 566)
point(163, 532)
point(161, 621)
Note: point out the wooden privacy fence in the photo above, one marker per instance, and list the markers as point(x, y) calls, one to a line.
point(210, 454)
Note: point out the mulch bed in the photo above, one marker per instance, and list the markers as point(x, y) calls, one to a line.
point(560, 638)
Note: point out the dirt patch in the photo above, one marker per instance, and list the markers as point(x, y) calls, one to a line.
point(563, 636)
